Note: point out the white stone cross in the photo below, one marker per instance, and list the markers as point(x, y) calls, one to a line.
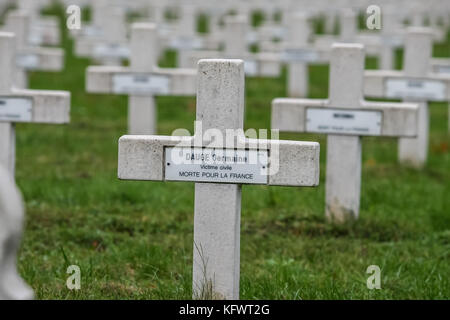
point(142, 80)
point(22, 105)
point(95, 28)
point(43, 30)
point(348, 30)
point(381, 44)
point(29, 57)
point(110, 47)
point(235, 43)
point(185, 37)
point(12, 286)
point(415, 83)
point(219, 158)
point(298, 54)
point(345, 117)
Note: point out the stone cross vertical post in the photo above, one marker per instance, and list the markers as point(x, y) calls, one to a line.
point(343, 176)
point(188, 20)
point(345, 117)
point(235, 36)
point(220, 106)
point(418, 52)
point(390, 27)
point(298, 71)
point(348, 25)
point(18, 23)
point(219, 159)
point(144, 55)
point(98, 15)
point(115, 32)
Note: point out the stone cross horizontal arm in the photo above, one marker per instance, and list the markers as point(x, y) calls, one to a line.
point(143, 158)
point(290, 115)
point(256, 64)
point(373, 43)
point(46, 106)
point(99, 48)
point(103, 79)
point(385, 83)
point(306, 54)
point(44, 59)
point(195, 42)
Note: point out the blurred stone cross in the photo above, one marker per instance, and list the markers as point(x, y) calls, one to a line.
point(298, 53)
point(43, 30)
point(142, 81)
point(345, 117)
point(186, 37)
point(22, 105)
point(415, 84)
point(109, 46)
point(235, 47)
point(30, 57)
point(95, 28)
point(219, 159)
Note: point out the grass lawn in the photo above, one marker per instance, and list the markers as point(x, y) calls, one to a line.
point(134, 240)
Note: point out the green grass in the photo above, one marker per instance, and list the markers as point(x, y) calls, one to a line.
point(134, 240)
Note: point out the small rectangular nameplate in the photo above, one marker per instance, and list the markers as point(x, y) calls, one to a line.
point(144, 84)
point(35, 37)
point(442, 69)
point(92, 31)
point(16, 109)
point(252, 37)
point(216, 165)
point(431, 90)
point(28, 61)
point(300, 55)
point(186, 43)
point(343, 121)
point(392, 40)
point(251, 68)
point(112, 51)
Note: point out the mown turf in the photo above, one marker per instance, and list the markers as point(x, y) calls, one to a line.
point(133, 240)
